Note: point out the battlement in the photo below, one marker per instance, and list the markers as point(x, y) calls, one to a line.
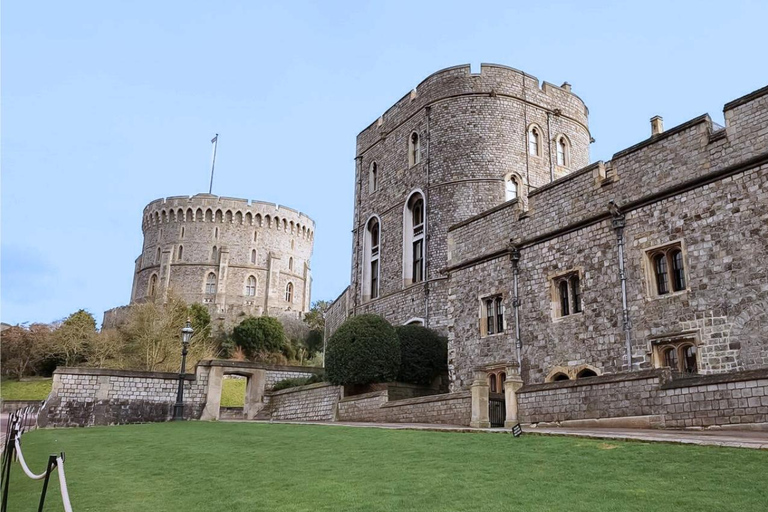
point(212, 208)
point(494, 80)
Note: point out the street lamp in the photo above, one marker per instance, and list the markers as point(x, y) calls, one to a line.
point(178, 408)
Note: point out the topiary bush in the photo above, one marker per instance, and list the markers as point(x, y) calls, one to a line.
point(259, 335)
point(423, 354)
point(364, 350)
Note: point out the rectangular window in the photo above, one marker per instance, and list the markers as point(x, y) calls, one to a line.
point(418, 261)
point(492, 315)
point(666, 270)
point(566, 294)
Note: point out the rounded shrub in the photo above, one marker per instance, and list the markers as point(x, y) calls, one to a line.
point(259, 335)
point(423, 354)
point(364, 350)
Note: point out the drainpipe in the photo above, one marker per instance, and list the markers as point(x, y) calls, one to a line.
point(356, 256)
point(515, 257)
point(619, 222)
point(549, 148)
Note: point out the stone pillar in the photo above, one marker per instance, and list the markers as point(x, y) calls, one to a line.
point(254, 394)
point(480, 392)
point(213, 398)
point(511, 385)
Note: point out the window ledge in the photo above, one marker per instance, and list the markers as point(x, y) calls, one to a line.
point(668, 295)
point(494, 335)
point(563, 318)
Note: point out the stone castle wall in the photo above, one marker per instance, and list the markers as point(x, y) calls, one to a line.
point(315, 402)
point(698, 184)
point(445, 409)
point(473, 130)
point(188, 238)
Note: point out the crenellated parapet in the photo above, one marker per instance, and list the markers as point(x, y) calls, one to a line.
point(211, 208)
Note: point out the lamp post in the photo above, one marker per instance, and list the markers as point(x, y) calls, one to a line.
point(178, 408)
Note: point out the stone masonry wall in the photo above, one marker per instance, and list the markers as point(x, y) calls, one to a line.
point(315, 402)
point(701, 401)
point(446, 409)
point(94, 396)
point(703, 187)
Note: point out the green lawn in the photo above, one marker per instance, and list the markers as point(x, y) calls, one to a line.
point(33, 389)
point(233, 392)
point(200, 466)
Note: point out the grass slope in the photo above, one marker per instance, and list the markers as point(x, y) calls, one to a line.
point(195, 466)
point(233, 392)
point(37, 389)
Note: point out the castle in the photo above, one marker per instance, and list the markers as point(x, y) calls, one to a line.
point(235, 256)
point(477, 213)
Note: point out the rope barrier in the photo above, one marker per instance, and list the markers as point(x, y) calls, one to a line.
point(23, 463)
point(63, 484)
point(13, 444)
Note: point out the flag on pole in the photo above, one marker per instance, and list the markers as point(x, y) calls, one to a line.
point(213, 140)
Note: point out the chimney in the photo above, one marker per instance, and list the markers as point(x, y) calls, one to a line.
point(566, 86)
point(657, 125)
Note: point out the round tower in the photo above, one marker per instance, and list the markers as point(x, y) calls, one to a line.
point(459, 144)
point(235, 256)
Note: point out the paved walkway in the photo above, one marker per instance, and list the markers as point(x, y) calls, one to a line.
point(757, 440)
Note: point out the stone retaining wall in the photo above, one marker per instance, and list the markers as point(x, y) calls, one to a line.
point(314, 402)
point(697, 401)
point(446, 409)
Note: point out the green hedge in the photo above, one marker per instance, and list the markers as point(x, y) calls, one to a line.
point(297, 381)
point(363, 350)
point(423, 354)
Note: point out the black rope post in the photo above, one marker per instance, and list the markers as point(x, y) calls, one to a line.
point(48, 469)
point(10, 446)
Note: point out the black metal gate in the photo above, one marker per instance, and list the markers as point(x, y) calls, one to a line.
point(497, 410)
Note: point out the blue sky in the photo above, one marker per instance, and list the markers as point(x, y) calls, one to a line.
point(109, 105)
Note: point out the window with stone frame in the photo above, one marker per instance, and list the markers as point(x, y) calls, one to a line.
point(666, 270)
point(371, 259)
point(414, 149)
point(253, 256)
point(492, 315)
point(566, 294)
point(680, 355)
point(511, 187)
point(289, 292)
point(250, 286)
point(210, 283)
point(373, 177)
point(534, 141)
point(563, 151)
point(153, 285)
point(496, 381)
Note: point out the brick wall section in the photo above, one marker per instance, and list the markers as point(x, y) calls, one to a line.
point(315, 402)
point(446, 409)
point(702, 401)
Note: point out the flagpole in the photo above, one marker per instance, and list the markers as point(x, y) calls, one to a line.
point(213, 160)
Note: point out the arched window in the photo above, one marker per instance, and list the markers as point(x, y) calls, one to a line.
point(373, 177)
point(157, 257)
point(215, 255)
point(689, 359)
point(534, 138)
point(562, 151)
point(568, 294)
point(153, 285)
point(668, 267)
point(289, 292)
point(499, 308)
point(586, 372)
point(181, 253)
point(414, 149)
point(492, 383)
point(559, 376)
point(290, 263)
point(575, 293)
point(413, 240)
point(670, 358)
point(371, 259)
point(250, 286)
point(208, 215)
point(253, 256)
point(510, 188)
point(210, 283)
